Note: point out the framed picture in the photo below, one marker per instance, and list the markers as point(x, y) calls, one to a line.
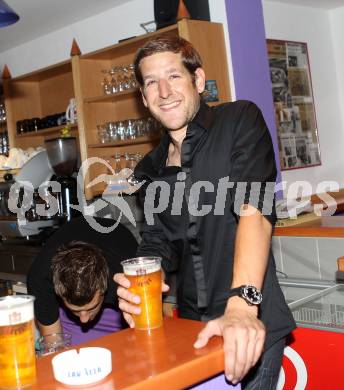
point(210, 93)
point(298, 140)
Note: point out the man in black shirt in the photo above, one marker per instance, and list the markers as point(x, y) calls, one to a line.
point(217, 234)
point(72, 279)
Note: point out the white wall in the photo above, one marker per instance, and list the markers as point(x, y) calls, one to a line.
point(93, 33)
point(99, 31)
point(337, 30)
point(323, 31)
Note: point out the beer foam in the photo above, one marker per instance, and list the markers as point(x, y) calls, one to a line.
point(15, 310)
point(140, 269)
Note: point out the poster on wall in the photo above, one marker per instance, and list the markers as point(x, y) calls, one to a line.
point(298, 140)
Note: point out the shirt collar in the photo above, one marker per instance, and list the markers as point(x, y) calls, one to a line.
point(196, 132)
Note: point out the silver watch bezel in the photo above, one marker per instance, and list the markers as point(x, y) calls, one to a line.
point(247, 295)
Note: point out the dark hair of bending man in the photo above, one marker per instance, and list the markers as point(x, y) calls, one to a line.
point(80, 276)
point(72, 279)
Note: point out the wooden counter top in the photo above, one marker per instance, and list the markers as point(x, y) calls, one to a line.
point(332, 226)
point(163, 359)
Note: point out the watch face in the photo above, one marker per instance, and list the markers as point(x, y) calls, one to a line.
point(252, 295)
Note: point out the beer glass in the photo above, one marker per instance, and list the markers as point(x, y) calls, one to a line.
point(144, 274)
point(17, 347)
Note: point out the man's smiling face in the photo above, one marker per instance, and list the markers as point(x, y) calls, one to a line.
point(169, 91)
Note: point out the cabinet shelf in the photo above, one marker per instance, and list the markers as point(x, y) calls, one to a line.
point(113, 96)
point(125, 142)
point(47, 131)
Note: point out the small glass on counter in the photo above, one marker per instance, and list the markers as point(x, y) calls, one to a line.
point(54, 342)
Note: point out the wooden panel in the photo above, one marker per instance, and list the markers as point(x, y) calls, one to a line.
point(91, 76)
point(46, 73)
point(22, 101)
point(29, 142)
point(113, 97)
point(24, 98)
point(208, 39)
point(55, 93)
point(325, 227)
point(124, 47)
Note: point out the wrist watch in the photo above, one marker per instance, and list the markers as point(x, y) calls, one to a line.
point(249, 293)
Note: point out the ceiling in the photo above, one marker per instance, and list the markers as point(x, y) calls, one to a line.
point(40, 17)
point(325, 4)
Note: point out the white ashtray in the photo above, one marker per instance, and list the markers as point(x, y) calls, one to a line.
point(88, 366)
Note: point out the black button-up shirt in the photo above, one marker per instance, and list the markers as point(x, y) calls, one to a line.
point(227, 159)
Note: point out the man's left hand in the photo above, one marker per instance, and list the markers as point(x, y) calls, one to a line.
point(243, 339)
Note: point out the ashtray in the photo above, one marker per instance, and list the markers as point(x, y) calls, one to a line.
point(87, 366)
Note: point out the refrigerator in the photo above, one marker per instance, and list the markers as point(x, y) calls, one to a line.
point(313, 357)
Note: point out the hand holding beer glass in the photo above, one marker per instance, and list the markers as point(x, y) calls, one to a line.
point(144, 275)
point(17, 348)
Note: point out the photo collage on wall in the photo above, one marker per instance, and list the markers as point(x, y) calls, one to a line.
point(296, 125)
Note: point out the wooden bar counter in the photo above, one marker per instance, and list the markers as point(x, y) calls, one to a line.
point(332, 226)
point(162, 359)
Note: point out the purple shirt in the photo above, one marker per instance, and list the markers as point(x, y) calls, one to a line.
point(108, 321)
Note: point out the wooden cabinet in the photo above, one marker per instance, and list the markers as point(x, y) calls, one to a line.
point(48, 91)
point(37, 95)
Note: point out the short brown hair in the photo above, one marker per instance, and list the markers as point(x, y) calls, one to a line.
point(168, 42)
point(79, 271)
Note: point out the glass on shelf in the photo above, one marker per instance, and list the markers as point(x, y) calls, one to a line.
point(2, 113)
point(131, 161)
point(102, 134)
point(127, 129)
point(106, 83)
point(118, 79)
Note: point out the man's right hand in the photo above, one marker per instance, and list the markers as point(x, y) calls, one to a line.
point(127, 301)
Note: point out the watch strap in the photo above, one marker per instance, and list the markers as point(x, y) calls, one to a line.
point(235, 292)
point(241, 292)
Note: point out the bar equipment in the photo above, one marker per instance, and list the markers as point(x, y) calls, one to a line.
point(62, 154)
point(19, 197)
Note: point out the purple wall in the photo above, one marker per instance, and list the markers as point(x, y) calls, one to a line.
point(250, 61)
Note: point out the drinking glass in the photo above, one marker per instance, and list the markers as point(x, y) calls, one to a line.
point(54, 342)
point(17, 347)
point(144, 274)
point(103, 135)
point(131, 162)
point(106, 83)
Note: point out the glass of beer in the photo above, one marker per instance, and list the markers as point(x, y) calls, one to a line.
point(17, 346)
point(144, 274)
